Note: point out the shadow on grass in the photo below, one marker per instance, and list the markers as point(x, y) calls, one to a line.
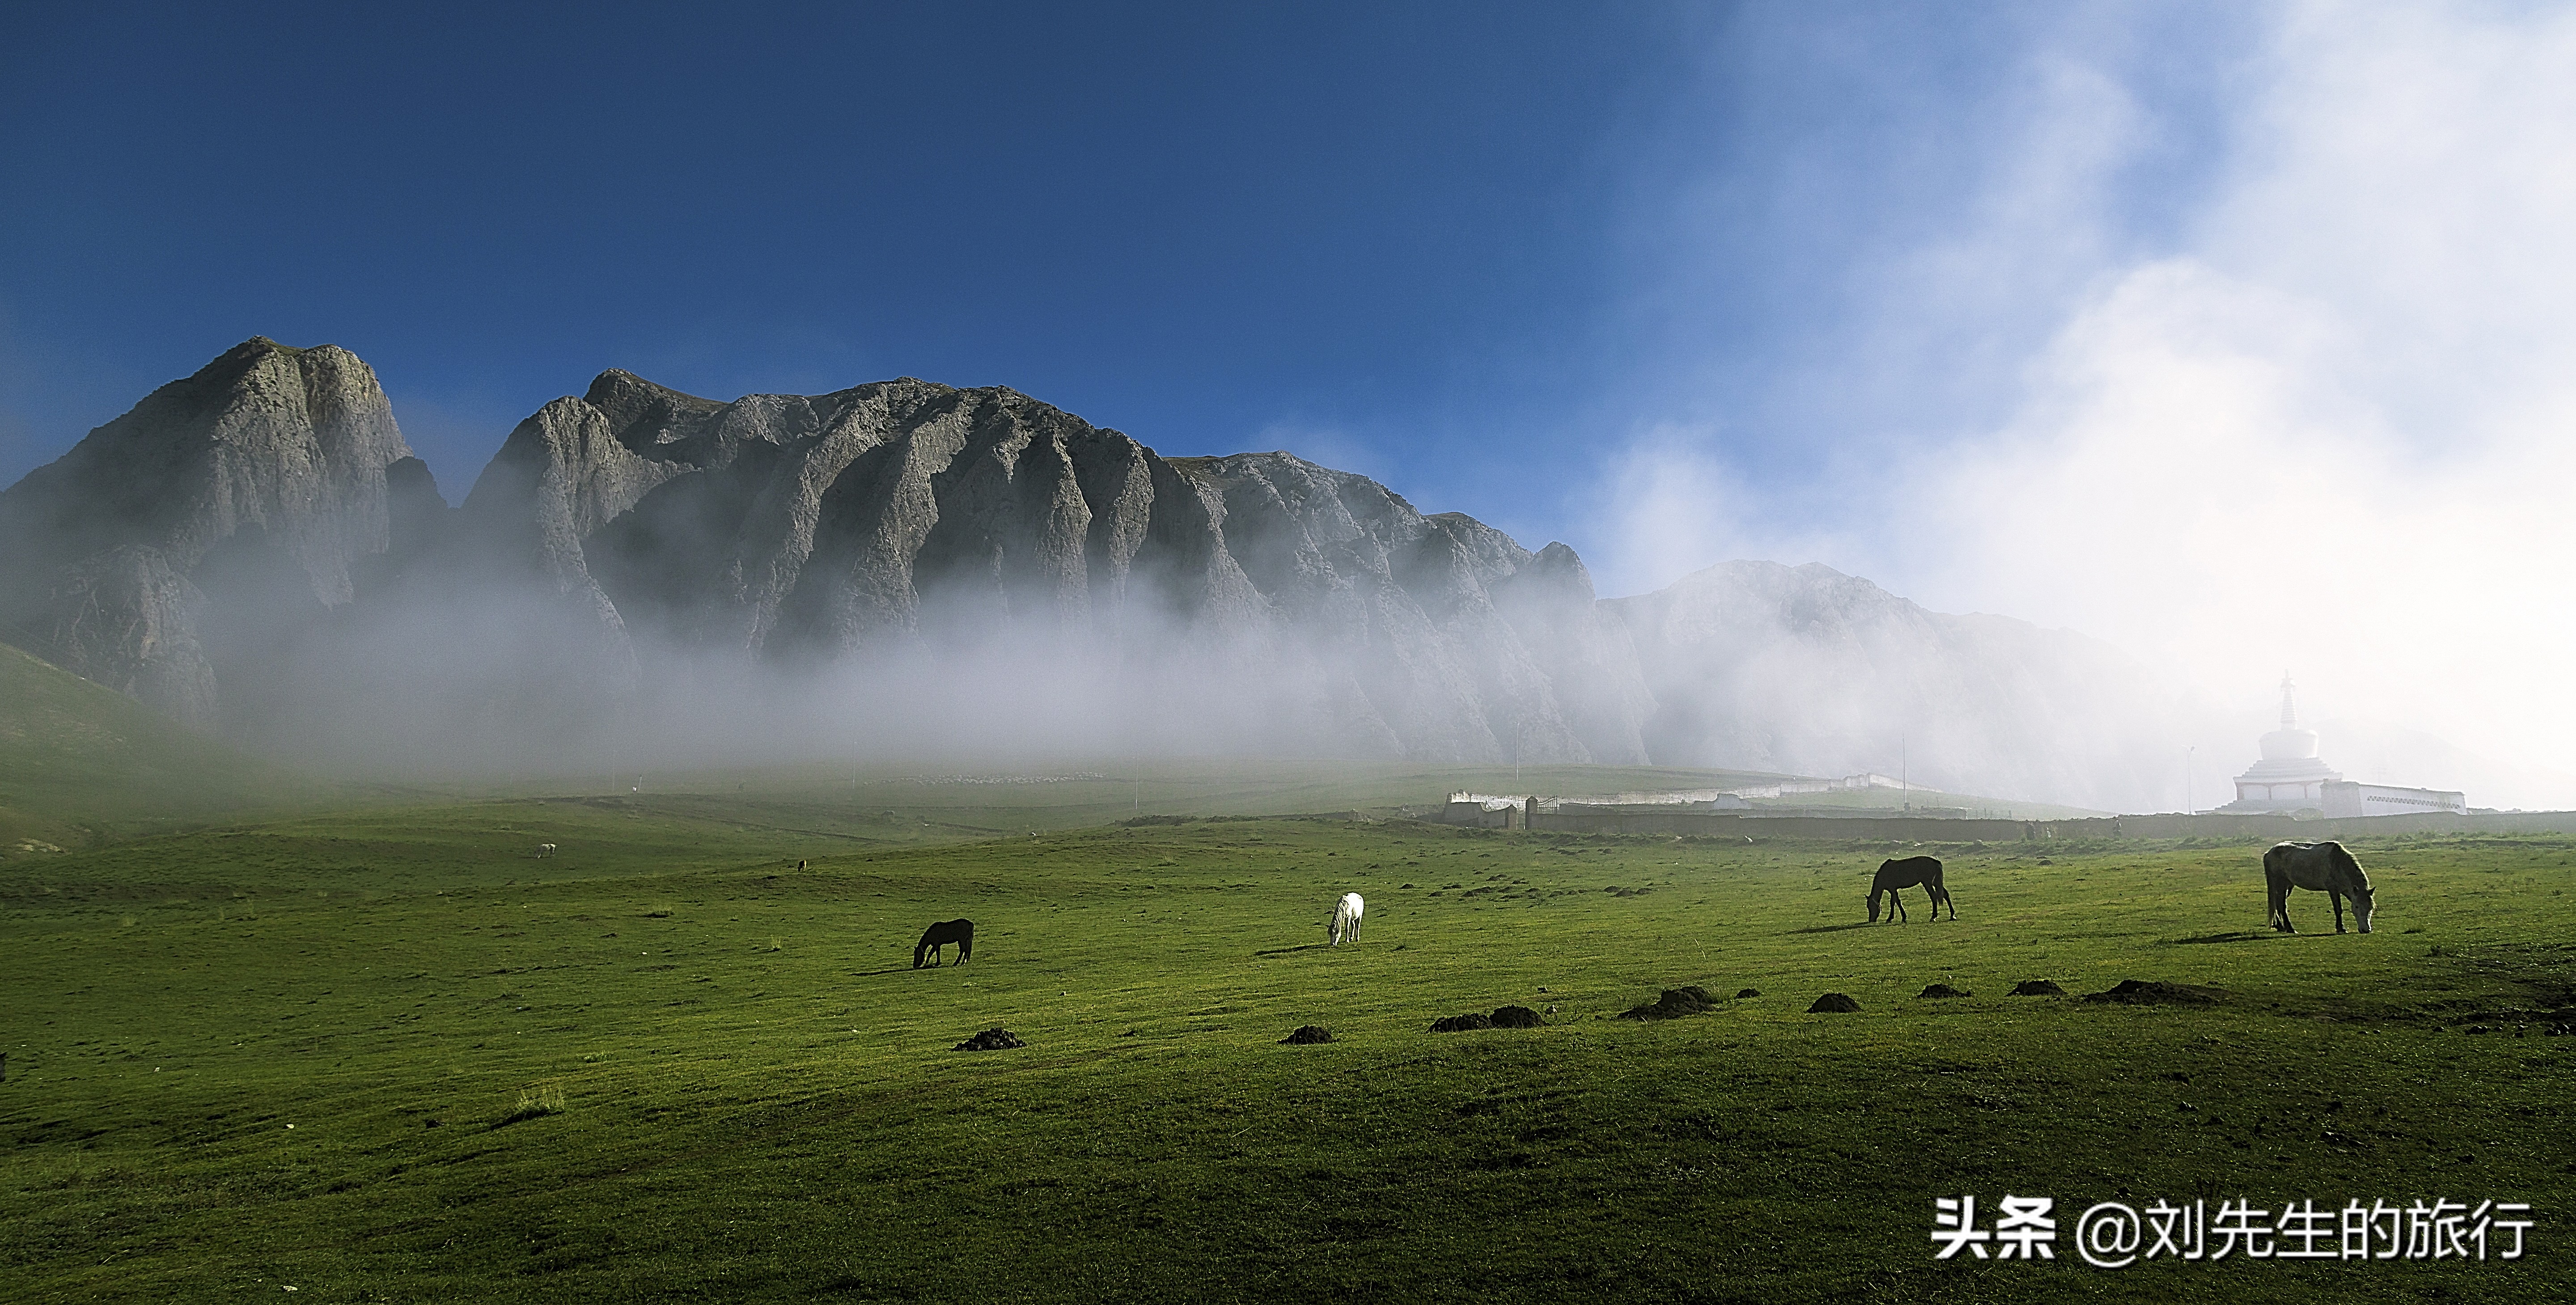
point(2238, 936)
point(898, 969)
point(1836, 928)
point(1287, 951)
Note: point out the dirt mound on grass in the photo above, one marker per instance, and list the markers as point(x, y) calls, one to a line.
point(1742, 993)
point(2038, 988)
point(1516, 1017)
point(991, 1040)
point(1833, 1003)
point(1308, 1035)
point(1943, 990)
point(2132, 992)
point(1462, 1023)
point(1688, 999)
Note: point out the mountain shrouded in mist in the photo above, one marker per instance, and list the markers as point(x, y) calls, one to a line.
point(909, 568)
point(257, 483)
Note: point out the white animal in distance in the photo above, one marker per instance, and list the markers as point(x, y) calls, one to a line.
point(1346, 919)
point(545, 849)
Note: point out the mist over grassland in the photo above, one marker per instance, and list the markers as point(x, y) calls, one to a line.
point(2241, 364)
point(906, 571)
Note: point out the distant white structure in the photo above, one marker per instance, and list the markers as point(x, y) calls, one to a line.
point(1465, 807)
point(2292, 777)
point(2345, 798)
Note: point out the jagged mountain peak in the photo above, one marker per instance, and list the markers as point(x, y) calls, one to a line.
point(257, 535)
point(261, 472)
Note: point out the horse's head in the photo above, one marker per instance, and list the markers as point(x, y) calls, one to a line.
point(2361, 907)
point(1873, 907)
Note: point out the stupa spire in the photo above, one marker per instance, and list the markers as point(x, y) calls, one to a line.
point(2289, 710)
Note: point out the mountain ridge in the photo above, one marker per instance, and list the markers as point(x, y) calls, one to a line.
point(632, 546)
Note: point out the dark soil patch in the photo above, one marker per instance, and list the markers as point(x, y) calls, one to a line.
point(1833, 1003)
point(1688, 999)
point(1743, 993)
point(1462, 1023)
point(1308, 1035)
point(2038, 988)
point(2132, 992)
point(991, 1040)
point(1943, 990)
point(1516, 1017)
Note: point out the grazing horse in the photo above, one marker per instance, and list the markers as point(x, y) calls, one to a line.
point(2323, 867)
point(545, 849)
point(1893, 875)
point(960, 932)
point(1346, 919)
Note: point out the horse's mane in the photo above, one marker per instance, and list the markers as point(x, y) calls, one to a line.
point(2343, 860)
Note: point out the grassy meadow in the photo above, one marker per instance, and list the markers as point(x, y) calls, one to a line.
point(391, 1055)
point(83, 766)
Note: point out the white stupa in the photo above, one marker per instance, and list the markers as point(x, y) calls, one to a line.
point(2290, 777)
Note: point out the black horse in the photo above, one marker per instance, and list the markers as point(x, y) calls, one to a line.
point(2325, 867)
point(1893, 875)
point(960, 932)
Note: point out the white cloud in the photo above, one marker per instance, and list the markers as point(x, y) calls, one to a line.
point(2332, 429)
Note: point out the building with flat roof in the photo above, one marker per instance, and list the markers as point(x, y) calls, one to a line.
point(2345, 798)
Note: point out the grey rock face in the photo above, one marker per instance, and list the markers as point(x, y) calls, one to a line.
point(805, 530)
point(254, 546)
point(270, 447)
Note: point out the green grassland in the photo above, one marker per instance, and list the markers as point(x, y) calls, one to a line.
point(392, 1055)
point(83, 766)
point(916, 802)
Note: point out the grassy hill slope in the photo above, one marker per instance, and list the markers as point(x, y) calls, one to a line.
point(82, 765)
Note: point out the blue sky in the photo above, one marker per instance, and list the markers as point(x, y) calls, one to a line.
point(2233, 334)
point(1463, 247)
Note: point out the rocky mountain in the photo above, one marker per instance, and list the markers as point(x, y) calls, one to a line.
point(901, 516)
point(254, 548)
point(152, 556)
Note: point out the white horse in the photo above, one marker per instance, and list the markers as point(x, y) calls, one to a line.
point(1346, 919)
point(545, 849)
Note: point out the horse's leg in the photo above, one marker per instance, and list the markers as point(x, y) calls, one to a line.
point(2337, 895)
